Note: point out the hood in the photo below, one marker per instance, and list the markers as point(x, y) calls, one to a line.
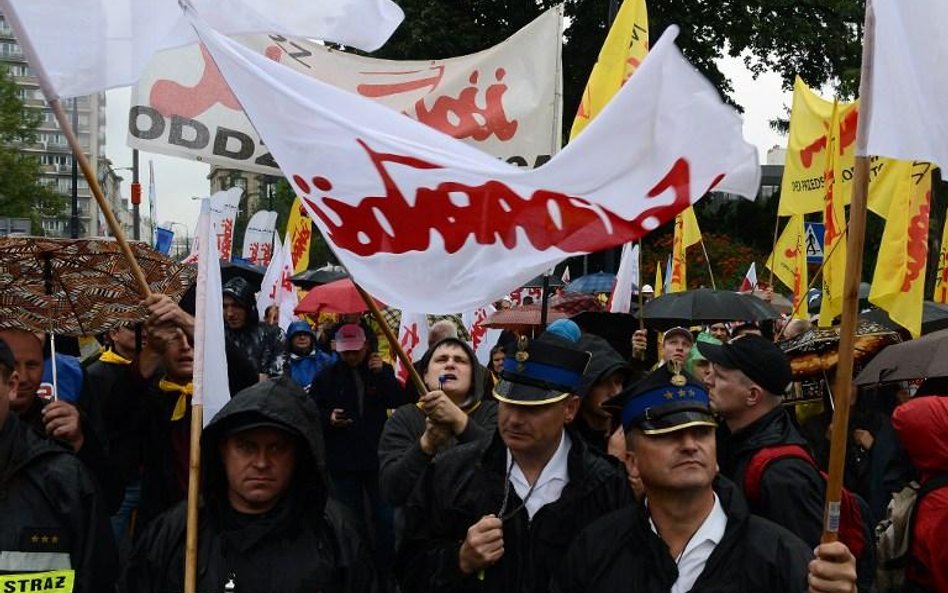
point(242, 292)
point(299, 327)
point(605, 361)
point(478, 372)
point(279, 401)
point(922, 426)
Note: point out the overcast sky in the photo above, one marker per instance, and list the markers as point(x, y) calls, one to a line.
point(177, 180)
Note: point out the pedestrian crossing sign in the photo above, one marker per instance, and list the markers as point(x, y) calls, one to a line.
point(813, 235)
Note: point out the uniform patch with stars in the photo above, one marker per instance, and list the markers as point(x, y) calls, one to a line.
point(43, 539)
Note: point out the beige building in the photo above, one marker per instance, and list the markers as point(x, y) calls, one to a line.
point(51, 148)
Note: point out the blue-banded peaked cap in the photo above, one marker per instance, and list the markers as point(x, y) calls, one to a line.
point(541, 371)
point(666, 400)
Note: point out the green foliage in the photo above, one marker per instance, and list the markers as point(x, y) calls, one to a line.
point(818, 39)
point(22, 194)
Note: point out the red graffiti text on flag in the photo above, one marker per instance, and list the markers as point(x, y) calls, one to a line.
point(492, 213)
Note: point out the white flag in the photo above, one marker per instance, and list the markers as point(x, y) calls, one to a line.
point(424, 221)
point(81, 47)
point(259, 238)
point(749, 283)
point(505, 100)
point(413, 338)
point(482, 338)
point(907, 117)
point(211, 387)
point(627, 280)
point(223, 216)
point(276, 288)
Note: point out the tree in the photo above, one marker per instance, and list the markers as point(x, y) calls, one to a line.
point(818, 39)
point(22, 193)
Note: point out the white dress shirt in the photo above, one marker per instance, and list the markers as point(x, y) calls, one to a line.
point(698, 549)
point(549, 484)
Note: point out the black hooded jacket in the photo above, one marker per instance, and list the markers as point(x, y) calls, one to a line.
point(304, 544)
point(260, 344)
point(604, 362)
point(401, 459)
point(51, 513)
point(621, 552)
point(791, 489)
point(467, 483)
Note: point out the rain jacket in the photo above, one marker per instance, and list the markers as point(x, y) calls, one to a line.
point(792, 491)
point(354, 448)
point(51, 513)
point(620, 552)
point(604, 362)
point(922, 426)
point(468, 482)
point(305, 544)
point(401, 460)
point(262, 345)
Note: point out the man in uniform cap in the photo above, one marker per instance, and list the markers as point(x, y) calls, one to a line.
point(692, 531)
point(498, 515)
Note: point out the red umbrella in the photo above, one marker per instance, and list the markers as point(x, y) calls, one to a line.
point(340, 296)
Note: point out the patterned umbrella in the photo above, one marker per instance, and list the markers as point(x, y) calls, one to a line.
point(74, 287)
point(561, 307)
point(592, 283)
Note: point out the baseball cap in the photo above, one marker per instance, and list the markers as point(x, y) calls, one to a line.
point(349, 337)
point(666, 400)
point(680, 331)
point(758, 358)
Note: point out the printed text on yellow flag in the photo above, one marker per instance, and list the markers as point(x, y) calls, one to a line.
point(802, 188)
point(898, 284)
point(625, 47)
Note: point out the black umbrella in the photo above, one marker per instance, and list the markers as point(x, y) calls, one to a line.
point(915, 359)
point(704, 305)
point(229, 269)
point(615, 328)
point(816, 298)
point(309, 278)
point(249, 272)
point(934, 317)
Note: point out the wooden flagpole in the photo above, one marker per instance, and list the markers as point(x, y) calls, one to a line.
point(89, 174)
point(393, 343)
point(855, 242)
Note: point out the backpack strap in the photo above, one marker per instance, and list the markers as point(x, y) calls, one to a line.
point(761, 460)
point(934, 483)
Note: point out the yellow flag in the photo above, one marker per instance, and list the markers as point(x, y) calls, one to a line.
point(659, 285)
point(788, 262)
point(625, 47)
point(687, 234)
point(802, 188)
point(679, 267)
point(834, 234)
point(898, 284)
point(941, 278)
point(691, 234)
point(299, 229)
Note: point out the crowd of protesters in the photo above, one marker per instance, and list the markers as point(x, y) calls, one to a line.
point(559, 466)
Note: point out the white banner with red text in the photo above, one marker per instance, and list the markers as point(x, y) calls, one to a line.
point(505, 100)
point(425, 222)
